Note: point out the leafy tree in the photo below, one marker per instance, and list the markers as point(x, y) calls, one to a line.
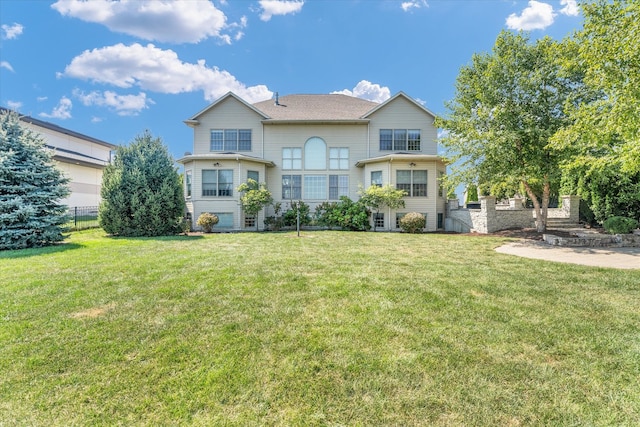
point(603, 141)
point(30, 188)
point(255, 197)
point(141, 191)
point(607, 52)
point(507, 106)
point(376, 198)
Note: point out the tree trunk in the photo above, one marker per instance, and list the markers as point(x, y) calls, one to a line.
point(540, 210)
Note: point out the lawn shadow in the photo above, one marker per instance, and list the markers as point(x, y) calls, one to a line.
point(177, 237)
point(25, 253)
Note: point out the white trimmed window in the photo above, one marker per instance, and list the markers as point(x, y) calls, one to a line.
point(291, 187)
point(315, 154)
point(315, 187)
point(414, 182)
point(225, 219)
point(378, 220)
point(292, 158)
point(399, 139)
point(338, 186)
point(217, 182)
point(230, 140)
point(254, 175)
point(188, 182)
point(339, 158)
point(376, 178)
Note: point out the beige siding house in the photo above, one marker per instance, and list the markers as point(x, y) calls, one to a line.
point(82, 158)
point(313, 148)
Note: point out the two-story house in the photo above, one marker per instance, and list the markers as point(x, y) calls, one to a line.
point(313, 148)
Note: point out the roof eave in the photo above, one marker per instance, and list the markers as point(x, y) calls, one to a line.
point(400, 156)
point(224, 156)
point(316, 121)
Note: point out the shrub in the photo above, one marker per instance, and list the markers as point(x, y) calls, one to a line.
point(413, 222)
point(290, 217)
point(619, 225)
point(141, 191)
point(207, 220)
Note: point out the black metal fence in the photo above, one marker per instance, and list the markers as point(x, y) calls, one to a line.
point(81, 217)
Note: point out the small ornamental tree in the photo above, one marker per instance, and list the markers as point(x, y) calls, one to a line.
point(376, 198)
point(31, 188)
point(141, 191)
point(254, 198)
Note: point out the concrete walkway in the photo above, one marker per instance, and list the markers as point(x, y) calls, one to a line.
point(627, 258)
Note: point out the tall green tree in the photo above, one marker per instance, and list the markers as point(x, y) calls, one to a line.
point(507, 106)
point(376, 197)
point(255, 197)
point(31, 188)
point(603, 140)
point(141, 191)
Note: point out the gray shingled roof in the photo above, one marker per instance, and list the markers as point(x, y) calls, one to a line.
point(316, 107)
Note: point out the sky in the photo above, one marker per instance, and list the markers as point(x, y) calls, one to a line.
point(115, 69)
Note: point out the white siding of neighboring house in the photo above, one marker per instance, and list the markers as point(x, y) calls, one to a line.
point(84, 168)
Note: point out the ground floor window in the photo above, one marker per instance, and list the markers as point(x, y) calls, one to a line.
point(315, 187)
point(338, 186)
point(225, 219)
point(414, 182)
point(291, 187)
point(399, 216)
point(440, 220)
point(378, 220)
point(249, 221)
point(217, 182)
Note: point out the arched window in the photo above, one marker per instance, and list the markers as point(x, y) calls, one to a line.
point(315, 154)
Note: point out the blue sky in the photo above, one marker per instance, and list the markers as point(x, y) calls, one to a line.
point(113, 69)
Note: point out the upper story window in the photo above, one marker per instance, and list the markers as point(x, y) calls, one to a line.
point(217, 182)
point(230, 140)
point(414, 182)
point(292, 158)
point(315, 154)
point(339, 158)
point(399, 139)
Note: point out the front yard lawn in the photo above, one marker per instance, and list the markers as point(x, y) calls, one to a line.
point(332, 328)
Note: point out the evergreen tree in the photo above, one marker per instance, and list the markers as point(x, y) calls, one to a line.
point(141, 191)
point(31, 188)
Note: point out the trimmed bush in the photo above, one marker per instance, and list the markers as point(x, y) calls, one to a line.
point(413, 222)
point(619, 225)
point(207, 220)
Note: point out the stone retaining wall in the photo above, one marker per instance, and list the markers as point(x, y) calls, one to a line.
point(595, 240)
point(491, 217)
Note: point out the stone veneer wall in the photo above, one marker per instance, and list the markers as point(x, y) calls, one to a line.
point(490, 218)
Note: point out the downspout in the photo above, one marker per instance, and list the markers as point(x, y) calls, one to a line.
point(238, 196)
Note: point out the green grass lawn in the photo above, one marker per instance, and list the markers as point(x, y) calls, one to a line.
point(332, 328)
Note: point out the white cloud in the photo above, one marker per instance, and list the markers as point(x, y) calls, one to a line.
point(158, 70)
point(11, 31)
point(161, 20)
point(125, 105)
point(537, 16)
point(369, 91)
point(279, 7)
point(61, 111)
point(570, 7)
point(95, 119)
point(14, 105)
point(413, 4)
point(5, 64)
point(42, 98)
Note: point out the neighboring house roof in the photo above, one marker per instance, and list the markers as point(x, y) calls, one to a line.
point(224, 156)
point(59, 129)
point(333, 107)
